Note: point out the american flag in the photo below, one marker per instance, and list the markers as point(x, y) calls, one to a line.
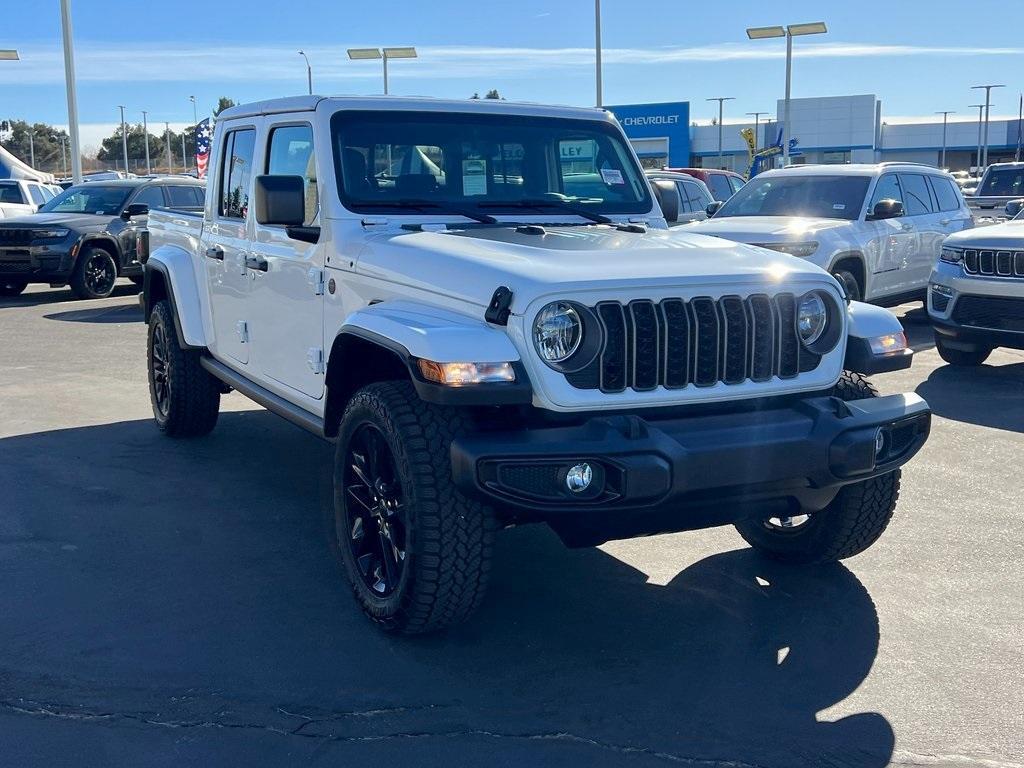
point(203, 134)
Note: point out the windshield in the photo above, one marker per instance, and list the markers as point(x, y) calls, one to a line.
point(828, 197)
point(478, 164)
point(1003, 182)
point(89, 198)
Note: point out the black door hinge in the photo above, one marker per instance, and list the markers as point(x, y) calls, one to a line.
point(498, 310)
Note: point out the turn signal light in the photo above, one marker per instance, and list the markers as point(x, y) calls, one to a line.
point(461, 374)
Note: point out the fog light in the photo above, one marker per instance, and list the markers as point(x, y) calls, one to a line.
point(578, 478)
point(879, 443)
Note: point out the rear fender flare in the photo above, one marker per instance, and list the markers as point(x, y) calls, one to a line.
point(168, 275)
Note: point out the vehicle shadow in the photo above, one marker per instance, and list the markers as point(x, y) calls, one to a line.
point(181, 581)
point(986, 395)
point(918, 328)
point(121, 313)
point(35, 298)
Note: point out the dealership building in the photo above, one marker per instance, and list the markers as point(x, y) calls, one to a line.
point(829, 129)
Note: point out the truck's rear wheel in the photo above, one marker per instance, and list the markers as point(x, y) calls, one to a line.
point(416, 551)
point(185, 398)
point(965, 357)
point(850, 524)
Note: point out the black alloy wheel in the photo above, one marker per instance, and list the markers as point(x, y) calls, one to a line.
point(100, 273)
point(160, 365)
point(375, 530)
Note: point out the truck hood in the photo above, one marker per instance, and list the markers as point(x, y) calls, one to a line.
point(471, 263)
point(768, 229)
point(71, 220)
point(1008, 235)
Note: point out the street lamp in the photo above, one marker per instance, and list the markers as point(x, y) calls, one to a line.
point(789, 32)
point(945, 116)
point(145, 141)
point(167, 138)
point(360, 54)
point(124, 140)
point(195, 114)
point(69, 80)
point(988, 90)
point(757, 124)
point(309, 72)
point(981, 112)
point(8, 54)
point(720, 100)
point(597, 50)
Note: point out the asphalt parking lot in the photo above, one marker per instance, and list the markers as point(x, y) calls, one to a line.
point(167, 603)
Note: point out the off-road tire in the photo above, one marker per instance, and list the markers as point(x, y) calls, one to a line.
point(961, 356)
point(10, 287)
point(80, 283)
point(192, 395)
point(851, 523)
point(849, 282)
point(449, 537)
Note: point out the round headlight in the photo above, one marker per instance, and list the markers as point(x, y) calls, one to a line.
point(811, 318)
point(557, 332)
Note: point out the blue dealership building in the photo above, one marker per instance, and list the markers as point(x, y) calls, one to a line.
point(660, 133)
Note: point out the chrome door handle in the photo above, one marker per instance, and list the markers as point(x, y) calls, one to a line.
point(944, 222)
point(215, 252)
point(906, 227)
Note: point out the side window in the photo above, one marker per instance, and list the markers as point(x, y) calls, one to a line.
point(887, 188)
point(916, 199)
point(236, 172)
point(290, 153)
point(945, 195)
point(47, 193)
point(182, 196)
point(718, 183)
point(10, 193)
point(37, 194)
point(684, 199)
point(699, 199)
point(151, 196)
point(736, 183)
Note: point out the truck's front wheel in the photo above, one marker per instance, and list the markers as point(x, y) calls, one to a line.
point(850, 524)
point(415, 550)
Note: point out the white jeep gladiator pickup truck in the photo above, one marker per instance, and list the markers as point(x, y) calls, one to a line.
point(481, 304)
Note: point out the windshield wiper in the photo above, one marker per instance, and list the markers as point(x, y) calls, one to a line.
point(422, 205)
point(540, 205)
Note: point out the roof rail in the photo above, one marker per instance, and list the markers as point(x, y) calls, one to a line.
point(887, 163)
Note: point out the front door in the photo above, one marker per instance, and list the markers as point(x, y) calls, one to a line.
point(892, 242)
point(287, 288)
point(226, 245)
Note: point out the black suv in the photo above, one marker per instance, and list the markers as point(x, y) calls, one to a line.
point(85, 237)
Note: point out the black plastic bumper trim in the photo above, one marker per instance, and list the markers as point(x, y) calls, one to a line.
point(860, 358)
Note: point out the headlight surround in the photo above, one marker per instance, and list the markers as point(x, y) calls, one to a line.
point(557, 332)
point(800, 250)
point(811, 318)
point(53, 233)
point(951, 255)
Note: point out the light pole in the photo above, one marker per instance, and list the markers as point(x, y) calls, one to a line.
point(720, 100)
point(184, 160)
point(597, 51)
point(167, 138)
point(309, 72)
point(31, 147)
point(195, 113)
point(988, 90)
point(788, 32)
point(981, 112)
point(945, 116)
point(757, 124)
point(124, 140)
point(360, 54)
point(64, 154)
point(145, 141)
point(69, 80)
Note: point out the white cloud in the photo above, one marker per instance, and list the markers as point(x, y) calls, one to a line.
point(200, 61)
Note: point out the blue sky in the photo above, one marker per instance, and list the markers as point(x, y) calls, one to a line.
point(918, 56)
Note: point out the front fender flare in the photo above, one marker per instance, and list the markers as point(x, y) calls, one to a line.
point(168, 274)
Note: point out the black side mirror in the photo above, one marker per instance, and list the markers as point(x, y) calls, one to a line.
point(279, 200)
point(668, 198)
point(1013, 208)
point(713, 207)
point(886, 209)
point(135, 209)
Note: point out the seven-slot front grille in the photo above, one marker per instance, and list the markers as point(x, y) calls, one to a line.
point(15, 238)
point(704, 341)
point(993, 263)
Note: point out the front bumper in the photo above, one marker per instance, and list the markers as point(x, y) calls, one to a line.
point(38, 263)
point(949, 285)
point(703, 470)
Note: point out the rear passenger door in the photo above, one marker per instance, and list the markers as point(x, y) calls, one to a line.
point(922, 211)
point(225, 245)
point(287, 298)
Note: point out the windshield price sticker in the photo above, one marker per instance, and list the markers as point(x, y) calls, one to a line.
point(612, 176)
point(474, 177)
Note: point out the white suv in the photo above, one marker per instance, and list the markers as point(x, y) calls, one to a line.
point(877, 228)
